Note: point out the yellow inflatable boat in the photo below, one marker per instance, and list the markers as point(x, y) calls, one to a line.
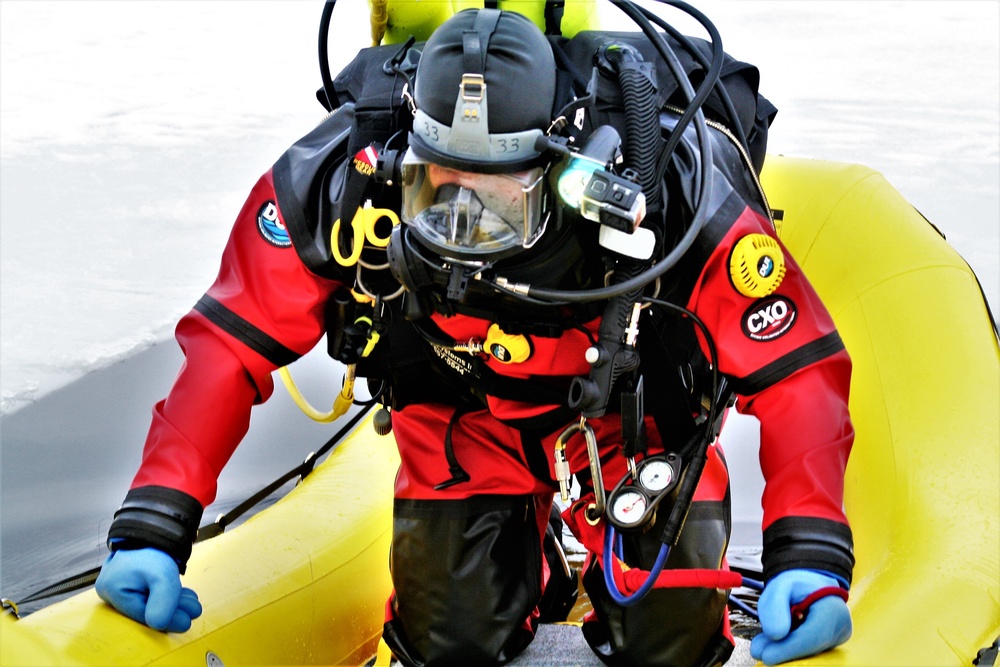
point(304, 581)
point(923, 483)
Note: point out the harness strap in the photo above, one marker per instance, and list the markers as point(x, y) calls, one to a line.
point(458, 474)
point(554, 10)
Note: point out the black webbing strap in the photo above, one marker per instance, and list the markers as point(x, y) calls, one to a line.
point(301, 471)
point(68, 585)
point(476, 41)
point(554, 10)
point(458, 474)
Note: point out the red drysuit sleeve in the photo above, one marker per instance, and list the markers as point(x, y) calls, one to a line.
point(264, 310)
point(789, 368)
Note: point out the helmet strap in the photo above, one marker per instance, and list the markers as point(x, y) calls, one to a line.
point(476, 41)
point(471, 104)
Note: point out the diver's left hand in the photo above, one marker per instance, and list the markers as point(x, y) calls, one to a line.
point(827, 622)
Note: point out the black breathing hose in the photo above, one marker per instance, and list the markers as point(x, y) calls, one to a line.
point(640, 148)
point(332, 101)
point(717, 62)
point(642, 123)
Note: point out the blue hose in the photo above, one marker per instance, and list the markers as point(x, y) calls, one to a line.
point(609, 579)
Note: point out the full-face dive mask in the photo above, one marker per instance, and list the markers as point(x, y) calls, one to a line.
point(471, 216)
point(473, 180)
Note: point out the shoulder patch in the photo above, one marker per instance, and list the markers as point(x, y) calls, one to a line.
point(769, 318)
point(270, 226)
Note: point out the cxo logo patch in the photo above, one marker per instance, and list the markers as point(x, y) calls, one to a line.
point(769, 318)
point(271, 227)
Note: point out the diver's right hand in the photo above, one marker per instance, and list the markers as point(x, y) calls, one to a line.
point(145, 585)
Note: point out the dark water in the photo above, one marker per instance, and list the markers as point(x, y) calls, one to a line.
point(67, 461)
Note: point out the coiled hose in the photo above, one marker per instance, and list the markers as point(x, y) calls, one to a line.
point(642, 140)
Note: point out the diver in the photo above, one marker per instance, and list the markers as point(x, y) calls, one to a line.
point(552, 261)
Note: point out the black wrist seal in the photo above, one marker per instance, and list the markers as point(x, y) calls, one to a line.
point(159, 517)
point(807, 542)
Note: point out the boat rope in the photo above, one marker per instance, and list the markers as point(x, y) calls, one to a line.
point(85, 579)
point(301, 471)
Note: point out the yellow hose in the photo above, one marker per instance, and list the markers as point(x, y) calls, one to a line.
point(345, 399)
point(341, 403)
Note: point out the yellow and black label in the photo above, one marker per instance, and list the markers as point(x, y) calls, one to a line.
point(507, 348)
point(757, 265)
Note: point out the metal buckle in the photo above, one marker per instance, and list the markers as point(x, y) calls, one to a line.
point(476, 87)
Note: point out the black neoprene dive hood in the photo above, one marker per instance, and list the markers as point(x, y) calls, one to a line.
point(484, 91)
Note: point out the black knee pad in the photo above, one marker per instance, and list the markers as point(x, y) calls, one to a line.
point(467, 577)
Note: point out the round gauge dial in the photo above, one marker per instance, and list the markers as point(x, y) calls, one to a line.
point(656, 475)
point(628, 507)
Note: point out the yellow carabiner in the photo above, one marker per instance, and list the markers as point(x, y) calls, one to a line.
point(373, 335)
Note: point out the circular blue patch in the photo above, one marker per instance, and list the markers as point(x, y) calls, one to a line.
point(271, 227)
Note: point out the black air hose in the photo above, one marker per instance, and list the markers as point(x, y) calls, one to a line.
point(640, 147)
point(641, 143)
point(331, 100)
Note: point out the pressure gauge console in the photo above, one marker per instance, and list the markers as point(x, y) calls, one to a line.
point(633, 502)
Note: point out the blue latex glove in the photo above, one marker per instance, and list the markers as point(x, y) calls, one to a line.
point(145, 585)
point(827, 623)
